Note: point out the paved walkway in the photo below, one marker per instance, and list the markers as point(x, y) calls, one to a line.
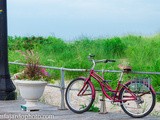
point(10, 110)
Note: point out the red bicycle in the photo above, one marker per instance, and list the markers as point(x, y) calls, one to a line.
point(137, 98)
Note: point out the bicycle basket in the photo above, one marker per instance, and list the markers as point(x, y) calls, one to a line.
point(140, 85)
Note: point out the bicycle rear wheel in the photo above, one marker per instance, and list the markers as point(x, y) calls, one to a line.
point(144, 103)
point(77, 101)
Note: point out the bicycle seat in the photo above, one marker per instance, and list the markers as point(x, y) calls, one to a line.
point(125, 68)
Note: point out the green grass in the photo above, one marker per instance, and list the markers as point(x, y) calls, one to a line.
point(142, 53)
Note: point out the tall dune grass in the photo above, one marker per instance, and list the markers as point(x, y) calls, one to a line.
point(142, 53)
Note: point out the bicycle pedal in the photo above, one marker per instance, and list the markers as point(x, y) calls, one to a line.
point(117, 104)
point(107, 81)
point(112, 94)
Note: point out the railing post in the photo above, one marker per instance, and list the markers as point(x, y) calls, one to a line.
point(62, 89)
point(103, 103)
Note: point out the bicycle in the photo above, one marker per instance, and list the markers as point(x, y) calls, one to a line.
point(137, 98)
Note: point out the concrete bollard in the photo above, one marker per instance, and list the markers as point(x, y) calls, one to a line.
point(103, 105)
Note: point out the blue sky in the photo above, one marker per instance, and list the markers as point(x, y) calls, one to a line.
point(70, 19)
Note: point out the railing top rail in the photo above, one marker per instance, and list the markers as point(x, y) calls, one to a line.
point(86, 70)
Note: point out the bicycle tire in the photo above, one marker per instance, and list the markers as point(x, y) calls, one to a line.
point(81, 104)
point(141, 101)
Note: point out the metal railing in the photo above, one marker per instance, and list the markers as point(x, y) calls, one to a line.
point(62, 81)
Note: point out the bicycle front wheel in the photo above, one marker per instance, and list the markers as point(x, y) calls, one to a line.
point(79, 95)
point(144, 102)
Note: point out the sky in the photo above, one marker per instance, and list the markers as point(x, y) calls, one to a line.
point(71, 19)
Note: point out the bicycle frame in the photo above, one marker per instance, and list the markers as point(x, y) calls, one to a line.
point(100, 80)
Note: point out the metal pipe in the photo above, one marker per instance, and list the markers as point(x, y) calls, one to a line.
point(87, 70)
point(62, 89)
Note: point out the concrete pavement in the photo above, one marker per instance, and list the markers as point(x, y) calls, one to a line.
point(10, 110)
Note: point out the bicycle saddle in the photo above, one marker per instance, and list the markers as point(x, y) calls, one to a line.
point(125, 68)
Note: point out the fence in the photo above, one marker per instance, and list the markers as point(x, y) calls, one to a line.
point(62, 82)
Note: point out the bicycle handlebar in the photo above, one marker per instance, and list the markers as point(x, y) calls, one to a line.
point(104, 61)
point(91, 57)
